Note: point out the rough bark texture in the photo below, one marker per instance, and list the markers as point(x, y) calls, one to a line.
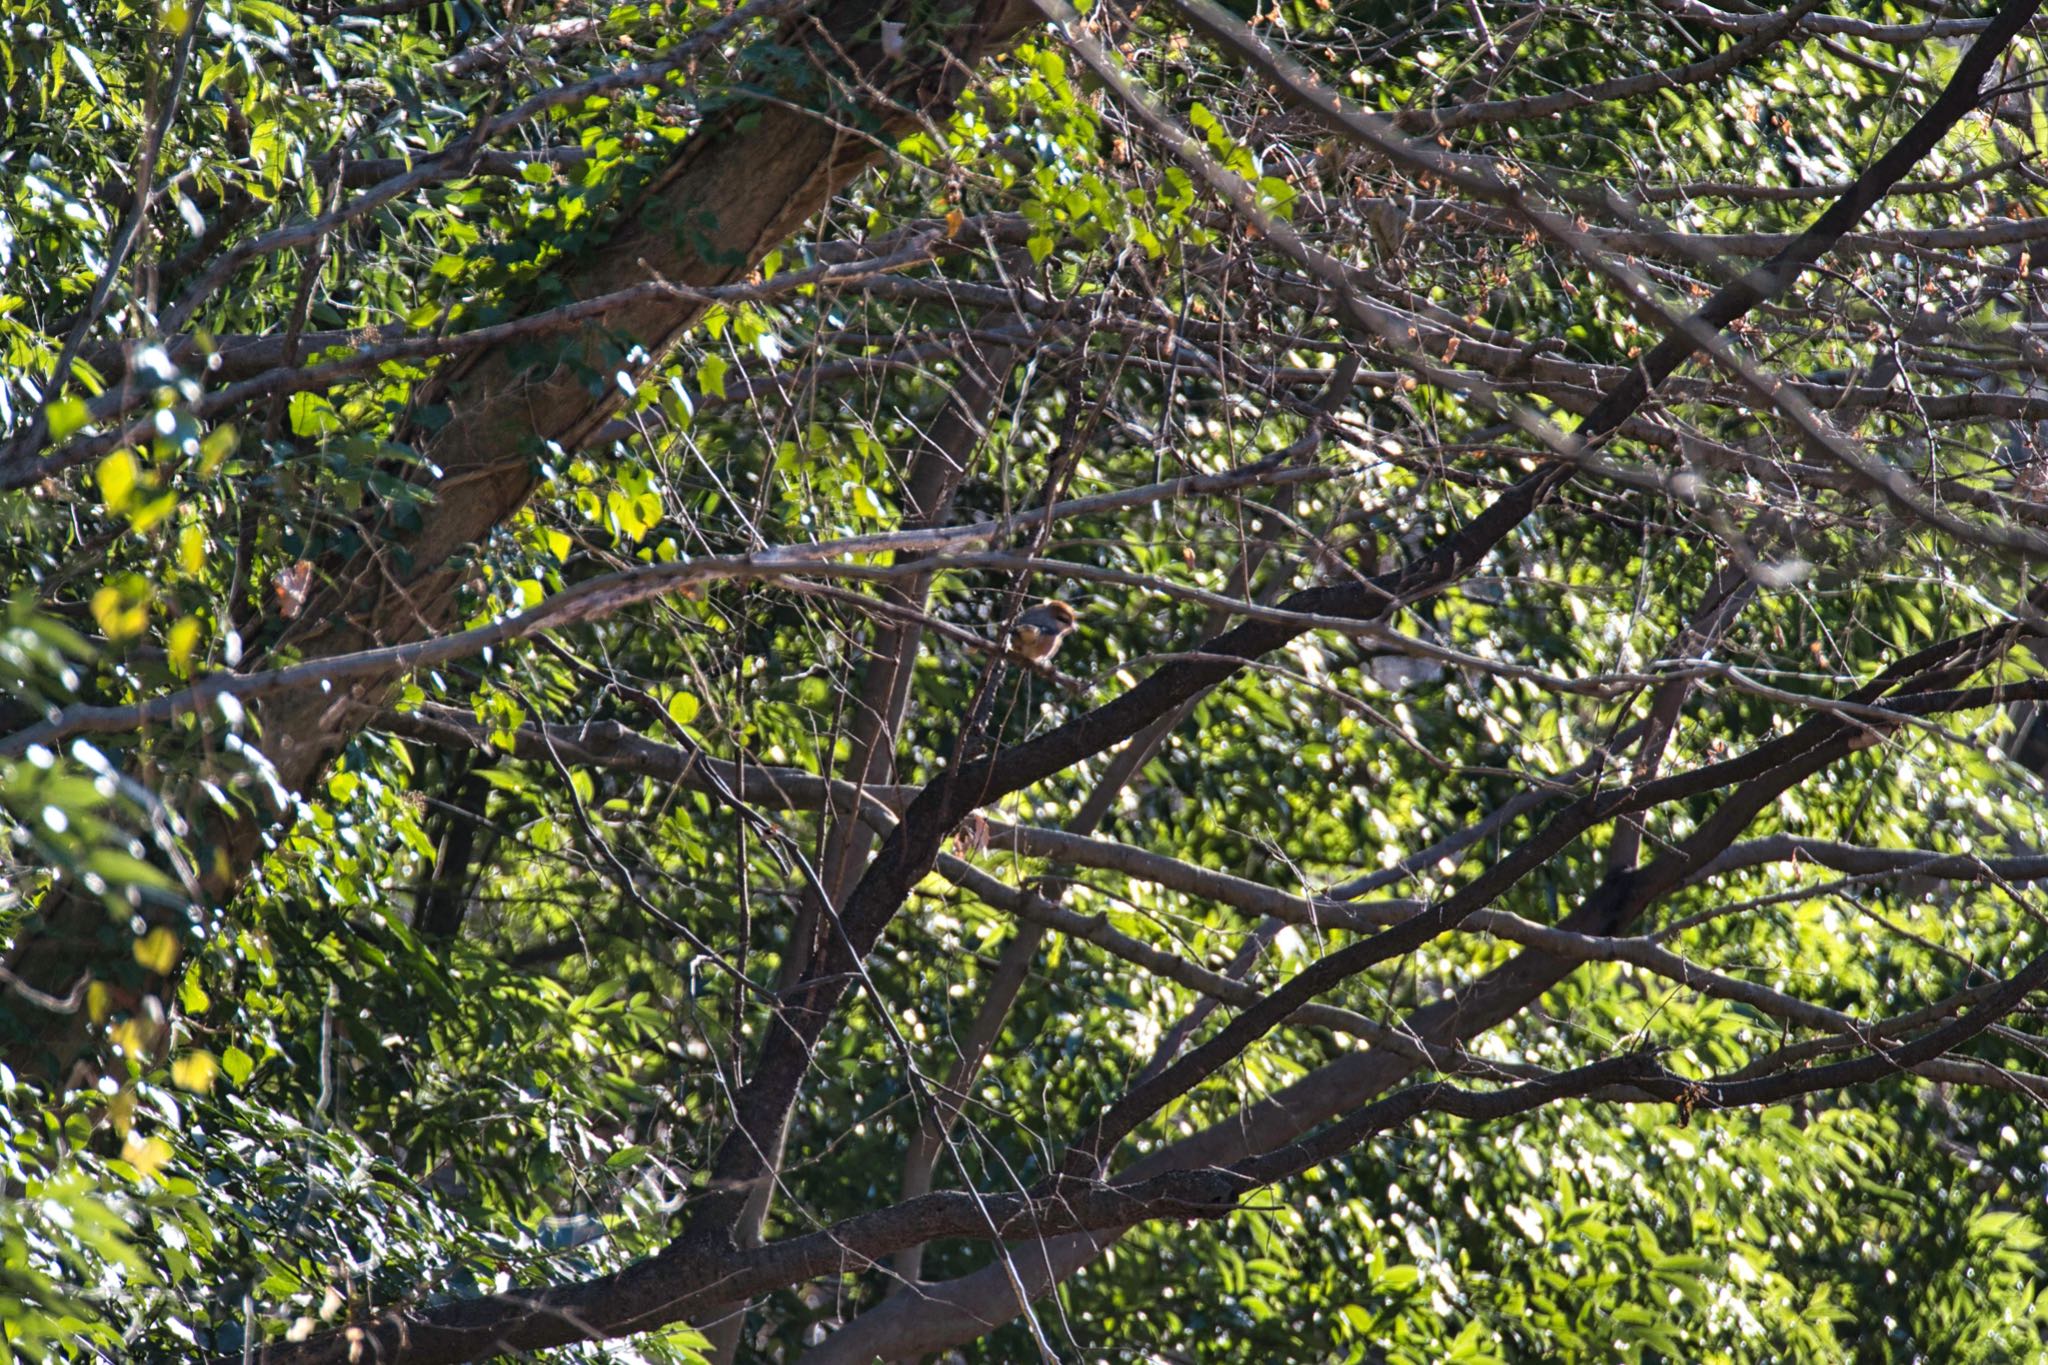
point(738, 187)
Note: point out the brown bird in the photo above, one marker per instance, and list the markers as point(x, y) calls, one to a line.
point(1041, 629)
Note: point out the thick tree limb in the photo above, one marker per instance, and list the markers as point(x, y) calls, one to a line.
point(904, 1326)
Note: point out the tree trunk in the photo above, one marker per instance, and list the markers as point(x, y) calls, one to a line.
point(739, 186)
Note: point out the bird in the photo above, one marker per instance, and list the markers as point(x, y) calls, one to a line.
point(1040, 630)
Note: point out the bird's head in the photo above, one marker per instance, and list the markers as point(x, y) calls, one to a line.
point(1041, 628)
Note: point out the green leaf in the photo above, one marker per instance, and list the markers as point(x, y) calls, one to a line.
point(118, 474)
point(66, 416)
point(711, 372)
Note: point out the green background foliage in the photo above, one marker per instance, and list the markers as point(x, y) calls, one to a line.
point(380, 1072)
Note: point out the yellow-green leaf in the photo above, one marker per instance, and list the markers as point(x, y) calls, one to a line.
point(192, 548)
point(118, 475)
point(184, 638)
point(65, 416)
point(195, 1071)
point(216, 446)
point(711, 372)
point(157, 950)
point(121, 611)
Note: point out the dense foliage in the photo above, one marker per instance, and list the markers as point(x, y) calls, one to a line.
point(526, 833)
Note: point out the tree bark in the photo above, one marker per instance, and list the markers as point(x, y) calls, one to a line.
point(738, 187)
